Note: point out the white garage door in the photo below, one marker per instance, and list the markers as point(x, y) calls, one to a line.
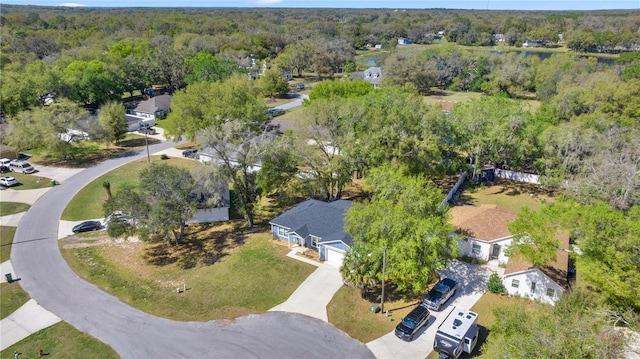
point(334, 256)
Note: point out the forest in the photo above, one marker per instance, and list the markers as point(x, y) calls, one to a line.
point(570, 117)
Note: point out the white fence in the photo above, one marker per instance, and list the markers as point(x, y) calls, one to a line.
point(455, 188)
point(517, 176)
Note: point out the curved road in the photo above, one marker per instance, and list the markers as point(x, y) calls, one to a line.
point(45, 275)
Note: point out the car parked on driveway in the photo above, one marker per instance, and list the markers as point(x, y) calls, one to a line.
point(300, 87)
point(440, 293)
point(4, 165)
point(191, 152)
point(87, 226)
point(21, 166)
point(8, 181)
point(410, 324)
point(274, 112)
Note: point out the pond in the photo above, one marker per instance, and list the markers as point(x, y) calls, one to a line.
point(543, 55)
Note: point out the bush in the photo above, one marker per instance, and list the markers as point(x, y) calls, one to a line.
point(164, 156)
point(495, 284)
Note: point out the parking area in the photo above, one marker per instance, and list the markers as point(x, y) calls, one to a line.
point(472, 283)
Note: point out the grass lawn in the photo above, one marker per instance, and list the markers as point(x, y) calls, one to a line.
point(26, 181)
point(292, 114)
point(89, 153)
point(60, 341)
point(87, 203)
point(512, 195)
point(277, 101)
point(12, 297)
point(6, 238)
point(349, 312)
point(227, 274)
point(8, 208)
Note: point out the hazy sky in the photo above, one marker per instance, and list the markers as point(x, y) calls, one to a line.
point(397, 4)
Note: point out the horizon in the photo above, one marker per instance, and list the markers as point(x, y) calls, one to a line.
point(495, 5)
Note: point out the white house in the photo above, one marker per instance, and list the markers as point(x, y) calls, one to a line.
point(154, 108)
point(485, 231)
point(544, 284)
point(218, 212)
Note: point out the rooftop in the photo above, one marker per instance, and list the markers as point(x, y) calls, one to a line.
point(557, 270)
point(486, 222)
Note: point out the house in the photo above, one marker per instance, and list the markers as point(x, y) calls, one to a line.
point(317, 225)
point(532, 43)
point(134, 122)
point(372, 75)
point(217, 212)
point(498, 37)
point(155, 108)
point(485, 231)
point(404, 41)
point(233, 152)
point(545, 284)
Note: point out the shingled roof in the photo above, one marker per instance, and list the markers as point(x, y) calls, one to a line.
point(557, 270)
point(486, 222)
point(317, 218)
point(154, 104)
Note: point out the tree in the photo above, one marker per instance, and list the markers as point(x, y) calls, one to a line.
point(272, 83)
point(405, 216)
point(206, 67)
point(495, 284)
point(359, 267)
point(167, 191)
point(91, 82)
point(279, 166)
point(112, 119)
point(574, 328)
point(410, 67)
point(534, 236)
point(295, 57)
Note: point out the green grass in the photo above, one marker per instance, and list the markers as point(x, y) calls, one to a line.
point(292, 114)
point(7, 208)
point(349, 312)
point(6, 238)
point(29, 181)
point(511, 195)
point(249, 274)
point(87, 203)
point(12, 297)
point(60, 341)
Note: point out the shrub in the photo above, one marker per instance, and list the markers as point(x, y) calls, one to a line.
point(495, 284)
point(164, 156)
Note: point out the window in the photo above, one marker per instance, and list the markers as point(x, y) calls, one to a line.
point(551, 292)
point(314, 241)
point(533, 287)
point(282, 231)
point(476, 248)
point(515, 283)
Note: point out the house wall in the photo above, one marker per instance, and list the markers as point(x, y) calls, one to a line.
point(207, 215)
point(135, 125)
point(275, 230)
point(525, 279)
point(484, 252)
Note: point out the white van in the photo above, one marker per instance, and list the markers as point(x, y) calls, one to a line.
point(20, 166)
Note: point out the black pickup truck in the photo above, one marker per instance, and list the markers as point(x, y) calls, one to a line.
point(410, 324)
point(440, 293)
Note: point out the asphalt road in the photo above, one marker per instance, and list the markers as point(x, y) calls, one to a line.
point(45, 275)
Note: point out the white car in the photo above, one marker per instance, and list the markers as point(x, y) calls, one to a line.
point(8, 181)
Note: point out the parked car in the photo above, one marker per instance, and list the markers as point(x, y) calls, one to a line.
point(300, 87)
point(87, 226)
point(189, 153)
point(410, 324)
point(21, 166)
point(4, 165)
point(119, 217)
point(440, 293)
point(274, 112)
point(8, 181)
point(147, 130)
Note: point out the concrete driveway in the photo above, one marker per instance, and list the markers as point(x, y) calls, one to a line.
point(472, 283)
point(314, 294)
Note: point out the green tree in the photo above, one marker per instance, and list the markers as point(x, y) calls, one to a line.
point(112, 119)
point(405, 216)
point(495, 284)
point(206, 67)
point(410, 68)
point(273, 83)
point(360, 268)
point(296, 57)
point(534, 236)
point(279, 166)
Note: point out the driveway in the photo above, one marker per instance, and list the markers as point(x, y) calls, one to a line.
point(49, 280)
point(314, 294)
point(472, 280)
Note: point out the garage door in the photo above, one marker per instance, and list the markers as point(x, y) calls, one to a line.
point(333, 256)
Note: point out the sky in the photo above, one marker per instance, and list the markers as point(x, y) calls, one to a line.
point(390, 4)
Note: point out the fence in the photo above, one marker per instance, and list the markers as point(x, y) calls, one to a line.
point(454, 190)
point(517, 176)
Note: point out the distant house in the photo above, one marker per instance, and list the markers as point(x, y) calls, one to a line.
point(498, 37)
point(134, 122)
point(217, 212)
point(155, 108)
point(485, 231)
point(404, 41)
point(545, 284)
point(532, 43)
point(373, 75)
point(233, 152)
point(317, 225)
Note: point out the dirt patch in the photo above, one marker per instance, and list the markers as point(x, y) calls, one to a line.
point(83, 242)
point(310, 254)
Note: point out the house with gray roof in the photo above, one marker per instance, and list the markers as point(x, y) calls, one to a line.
point(156, 107)
point(317, 225)
point(373, 75)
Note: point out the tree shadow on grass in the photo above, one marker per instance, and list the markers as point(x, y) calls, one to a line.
point(391, 294)
point(204, 244)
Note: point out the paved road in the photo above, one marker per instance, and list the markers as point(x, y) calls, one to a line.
point(134, 334)
point(293, 104)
